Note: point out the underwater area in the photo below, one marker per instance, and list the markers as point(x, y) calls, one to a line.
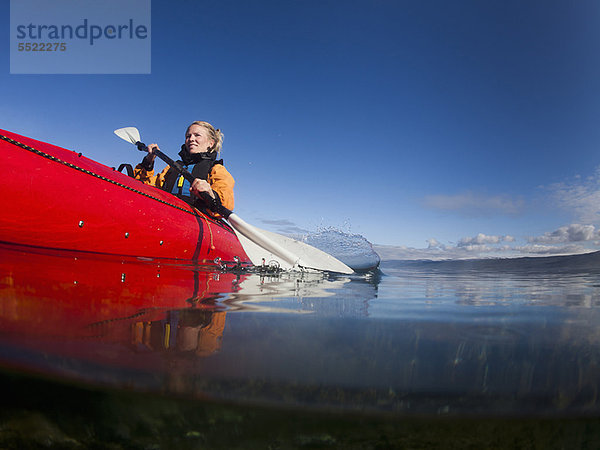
point(100, 351)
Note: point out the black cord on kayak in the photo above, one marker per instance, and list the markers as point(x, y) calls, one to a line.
point(271, 269)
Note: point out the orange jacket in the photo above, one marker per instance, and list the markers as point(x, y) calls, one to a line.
point(220, 180)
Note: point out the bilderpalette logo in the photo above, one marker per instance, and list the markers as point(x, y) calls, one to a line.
point(80, 36)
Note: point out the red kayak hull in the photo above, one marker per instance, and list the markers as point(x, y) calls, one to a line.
point(57, 198)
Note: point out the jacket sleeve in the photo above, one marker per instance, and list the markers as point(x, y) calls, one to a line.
point(221, 182)
point(148, 177)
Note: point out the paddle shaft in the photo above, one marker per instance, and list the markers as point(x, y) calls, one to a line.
point(183, 171)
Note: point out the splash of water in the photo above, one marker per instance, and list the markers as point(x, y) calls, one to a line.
point(352, 249)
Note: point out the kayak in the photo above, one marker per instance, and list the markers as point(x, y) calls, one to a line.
point(56, 198)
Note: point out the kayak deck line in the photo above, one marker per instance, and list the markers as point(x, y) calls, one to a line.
point(193, 212)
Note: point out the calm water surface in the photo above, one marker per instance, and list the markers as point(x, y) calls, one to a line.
point(417, 339)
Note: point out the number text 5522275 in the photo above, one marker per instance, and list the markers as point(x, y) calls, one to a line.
point(42, 46)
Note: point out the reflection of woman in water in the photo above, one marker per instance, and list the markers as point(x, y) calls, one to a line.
point(186, 330)
point(200, 331)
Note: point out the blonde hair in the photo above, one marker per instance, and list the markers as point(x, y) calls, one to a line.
point(213, 133)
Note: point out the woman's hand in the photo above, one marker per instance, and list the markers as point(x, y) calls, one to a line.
point(151, 149)
point(201, 188)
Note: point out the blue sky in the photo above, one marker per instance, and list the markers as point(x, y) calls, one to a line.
point(432, 128)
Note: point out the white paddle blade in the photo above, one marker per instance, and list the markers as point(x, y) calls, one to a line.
point(288, 252)
point(259, 256)
point(130, 134)
point(258, 238)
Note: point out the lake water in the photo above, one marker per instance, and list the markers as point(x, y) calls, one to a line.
point(131, 353)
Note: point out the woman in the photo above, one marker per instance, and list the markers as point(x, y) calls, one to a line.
point(213, 184)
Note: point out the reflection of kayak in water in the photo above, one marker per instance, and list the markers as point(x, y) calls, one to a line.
point(101, 310)
point(56, 198)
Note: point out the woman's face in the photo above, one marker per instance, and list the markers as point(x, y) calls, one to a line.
point(197, 140)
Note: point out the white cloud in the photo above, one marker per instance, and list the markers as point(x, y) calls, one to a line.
point(579, 196)
point(565, 240)
point(582, 197)
point(570, 233)
point(547, 250)
point(474, 204)
point(387, 252)
point(478, 246)
point(476, 251)
point(284, 226)
point(434, 243)
point(482, 239)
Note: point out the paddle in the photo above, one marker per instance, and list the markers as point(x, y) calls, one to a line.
point(258, 244)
